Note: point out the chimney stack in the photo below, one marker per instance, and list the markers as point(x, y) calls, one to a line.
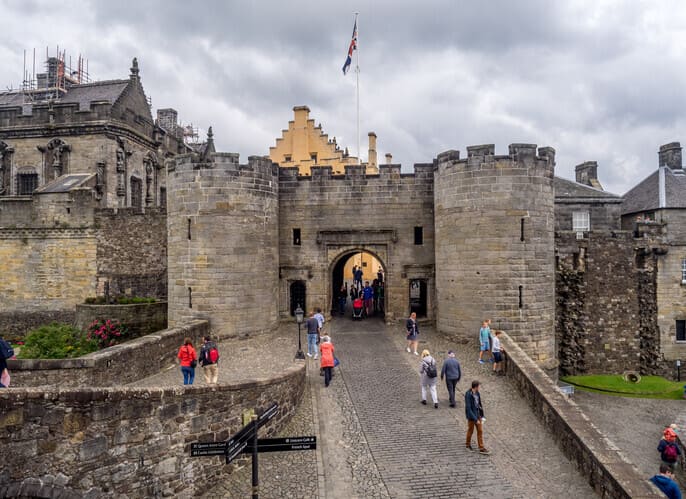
point(670, 155)
point(389, 158)
point(371, 157)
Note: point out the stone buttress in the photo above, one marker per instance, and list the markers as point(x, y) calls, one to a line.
point(495, 245)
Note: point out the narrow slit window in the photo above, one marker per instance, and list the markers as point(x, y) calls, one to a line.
point(419, 236)
point(521, 230)
point(296, 237)
point(681, 330)
point(521, 296)
point(189, 231)
point(190, 298)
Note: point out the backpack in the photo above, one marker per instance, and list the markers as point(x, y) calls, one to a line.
point(431, 371)
point(6, 351)
point(211, 355)
point(670, 453)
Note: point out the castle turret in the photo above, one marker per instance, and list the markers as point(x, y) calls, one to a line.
point(494, 245)
point(222, 221)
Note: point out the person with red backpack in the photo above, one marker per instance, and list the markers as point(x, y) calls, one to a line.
point(209, 357)
point(668, 447)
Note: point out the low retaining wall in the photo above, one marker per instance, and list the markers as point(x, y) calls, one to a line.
point(128, 442)
point(139, 318)
point(115, 365)
point(596, 457)
point(15, 325)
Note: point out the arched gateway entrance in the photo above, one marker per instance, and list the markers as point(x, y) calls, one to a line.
point(341, 276)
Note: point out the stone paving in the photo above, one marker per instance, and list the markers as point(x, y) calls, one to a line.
point(374, 437)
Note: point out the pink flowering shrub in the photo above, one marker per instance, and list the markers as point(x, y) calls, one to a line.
point(107, 333)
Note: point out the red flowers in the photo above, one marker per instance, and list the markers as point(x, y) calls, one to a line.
point(107, 333)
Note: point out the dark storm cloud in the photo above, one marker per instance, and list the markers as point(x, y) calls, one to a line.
point(595, 80)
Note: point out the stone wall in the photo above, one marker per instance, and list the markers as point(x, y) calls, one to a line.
point(139, 318)
point(494, 244)
point(596, 457)
point(45, 270)
point(115, 365)
point(128, 442)
point(339, 215)
point(223, 243)
point(606, 305)
point(132, 252)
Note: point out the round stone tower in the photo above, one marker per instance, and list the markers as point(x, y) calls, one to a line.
point(495, 255)
point(222, 224)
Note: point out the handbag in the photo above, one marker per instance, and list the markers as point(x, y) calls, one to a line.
point(336, 362)
point(194, 362)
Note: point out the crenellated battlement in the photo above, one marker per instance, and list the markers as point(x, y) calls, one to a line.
point(356, 172)
point(222, 161)
point(483, 157)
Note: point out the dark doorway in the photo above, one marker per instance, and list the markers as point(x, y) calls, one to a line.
point(338, 279)
point(418, 297)
point(336, 283)
point(298, 296)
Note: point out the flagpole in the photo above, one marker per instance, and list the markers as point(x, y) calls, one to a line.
point(357, 71)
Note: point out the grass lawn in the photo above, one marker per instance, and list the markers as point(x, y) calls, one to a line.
point(613, 384)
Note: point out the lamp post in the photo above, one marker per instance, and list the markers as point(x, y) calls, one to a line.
point(299, 315)
point(678, 370)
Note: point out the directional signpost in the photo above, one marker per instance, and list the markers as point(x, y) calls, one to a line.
point(245, 441)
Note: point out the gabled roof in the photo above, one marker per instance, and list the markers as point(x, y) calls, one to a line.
point(646, 195)
point(84, 94)
point(574, 191)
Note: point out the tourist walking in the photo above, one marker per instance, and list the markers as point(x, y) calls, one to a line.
point(209, 359)
point(342, 299)
point(358, 278)
point(188, 360)
point(668, 447)
point(666, 483)
point(368, 299)
point(412, 333)
point(496, 350)
point(429, 375)
point(312, 335)
point(320, 320)
point(452, 373)
point(6, 352)
point(327, 361)
point(474, 410)
point(484, 340)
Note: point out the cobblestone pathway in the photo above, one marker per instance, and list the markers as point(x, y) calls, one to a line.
point(417, 449)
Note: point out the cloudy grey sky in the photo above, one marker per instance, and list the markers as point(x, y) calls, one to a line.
point(596, 80)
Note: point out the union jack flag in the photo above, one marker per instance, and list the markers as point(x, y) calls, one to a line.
point(353, 46)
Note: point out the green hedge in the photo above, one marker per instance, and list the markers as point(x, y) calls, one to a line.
point(56, 341)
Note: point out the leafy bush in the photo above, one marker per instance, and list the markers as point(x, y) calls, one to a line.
point(107, 333)
point(56, 341)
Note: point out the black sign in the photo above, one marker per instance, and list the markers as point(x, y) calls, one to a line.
point(285, 444)
point(208, 449)
point(267, 415)
point(235, 450)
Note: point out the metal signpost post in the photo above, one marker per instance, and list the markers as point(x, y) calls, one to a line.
point(238, 444)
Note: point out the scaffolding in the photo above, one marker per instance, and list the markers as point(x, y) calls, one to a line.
point(59, 75)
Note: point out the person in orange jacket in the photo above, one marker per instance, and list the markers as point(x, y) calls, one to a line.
point(188, 360)
point(327, 362)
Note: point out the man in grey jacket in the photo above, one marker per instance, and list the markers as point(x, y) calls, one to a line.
point(452, 372)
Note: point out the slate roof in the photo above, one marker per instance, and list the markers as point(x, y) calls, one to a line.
point(646, 195)
point(568, 189)
point(84, 94)
point(65, 183)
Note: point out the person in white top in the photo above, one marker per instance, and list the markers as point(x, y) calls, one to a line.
point(497, 350)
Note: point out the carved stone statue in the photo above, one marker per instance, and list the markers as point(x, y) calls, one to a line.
point(121, 172)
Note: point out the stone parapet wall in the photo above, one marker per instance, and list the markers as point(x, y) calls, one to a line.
point(596, 457)
point(15, 325)
point(129, 442)
point(494, 244)
point(139, 318)
point(112, 366)
point(223, 243)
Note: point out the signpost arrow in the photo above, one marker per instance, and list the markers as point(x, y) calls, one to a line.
point(208, 449)
point(285, 444)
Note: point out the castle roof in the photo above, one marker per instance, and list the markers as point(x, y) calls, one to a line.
point(647, 195)
point(568, 190)
point(83, 94)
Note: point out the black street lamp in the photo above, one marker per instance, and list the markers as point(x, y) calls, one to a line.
point(299, 316)
point(678, 370)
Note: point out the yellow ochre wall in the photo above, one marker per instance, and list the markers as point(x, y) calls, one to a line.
point(302, 140)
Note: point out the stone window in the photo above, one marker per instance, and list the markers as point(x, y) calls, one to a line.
point(163, 197)
point(419, 236)
point(287, 158)
point(27, 183)
point(313, 156)
point(136, 193)
point(681, 330)
point(296, 237)
point(581, 221)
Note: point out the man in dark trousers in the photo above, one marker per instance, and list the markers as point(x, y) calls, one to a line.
point(312, 335)
point(473, 406)
point(452, 372)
